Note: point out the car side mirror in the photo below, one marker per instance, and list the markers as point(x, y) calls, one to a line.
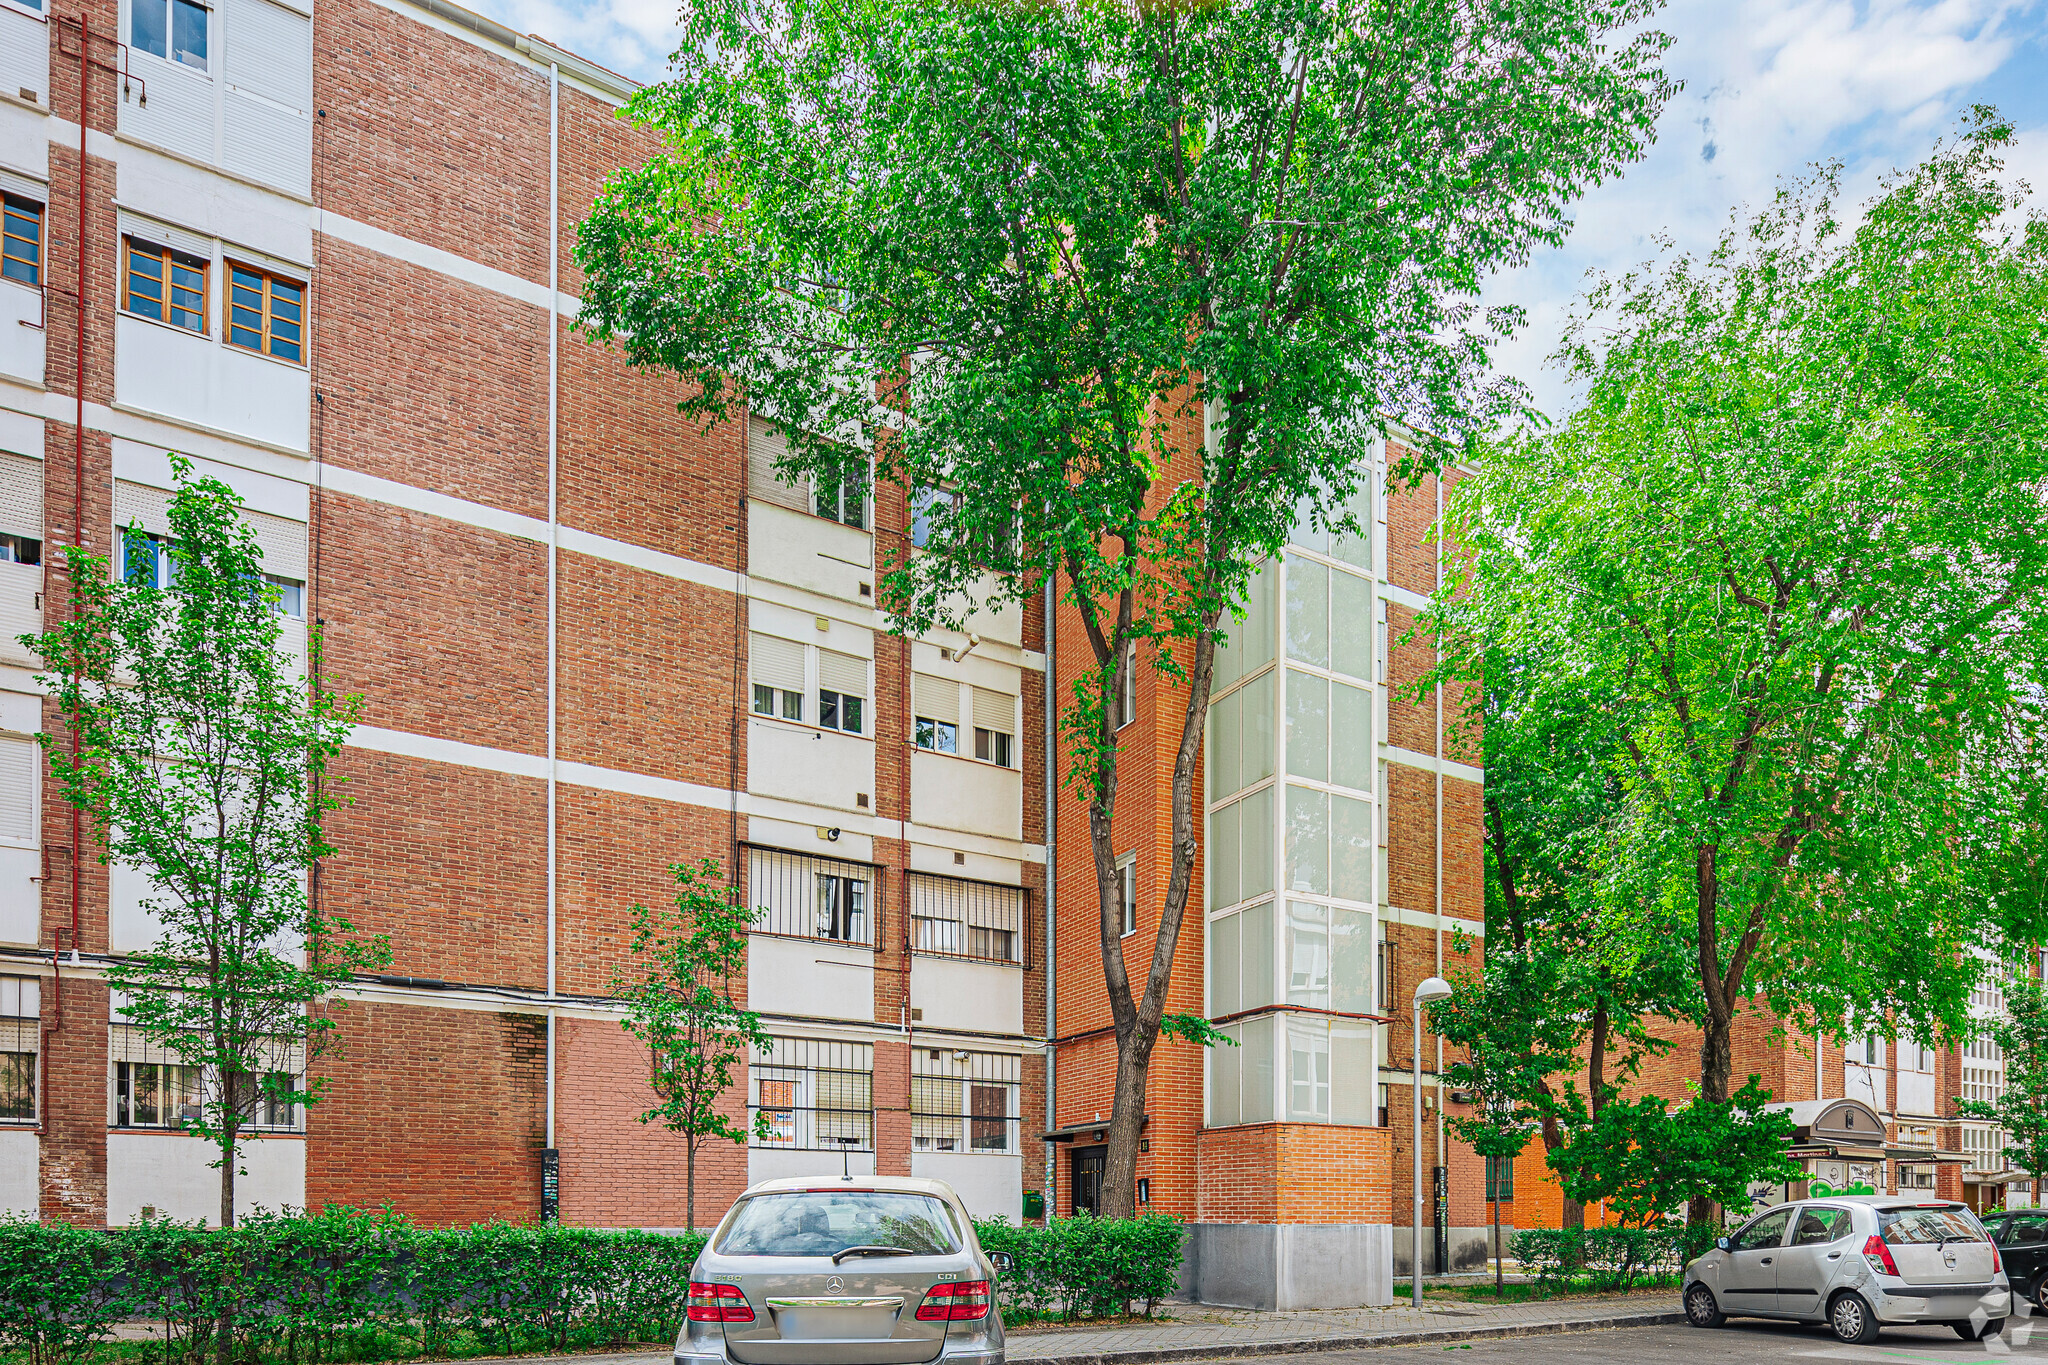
point(1003, 1261)
point(1721, 1242)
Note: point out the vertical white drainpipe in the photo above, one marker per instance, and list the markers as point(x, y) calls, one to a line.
point(1441, 1159)
point(554, 536)
point(1051, 1177)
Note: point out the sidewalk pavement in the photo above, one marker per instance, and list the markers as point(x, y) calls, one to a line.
point(1200, 1332)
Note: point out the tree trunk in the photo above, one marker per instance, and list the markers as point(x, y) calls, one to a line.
point(1596, 1062)
point(690, 1185)
point(1498, 1288)
point(224, 1329)
point(1126, 1124)
point(1716, 1064)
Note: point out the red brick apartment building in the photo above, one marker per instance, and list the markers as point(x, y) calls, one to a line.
point(324, 251)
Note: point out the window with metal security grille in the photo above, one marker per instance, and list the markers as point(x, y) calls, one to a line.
point(964, 1101)
point(956, 917)
point(166, 285)
point(21, 1028)
point(1916, 1177)
point(800, 896)
point(266, 312)
point(817, 1094)
point(21, 240)
point(1500, 1179)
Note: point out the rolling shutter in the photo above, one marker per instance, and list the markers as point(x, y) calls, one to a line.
point(138, 504)
point(995, 710)
point(843, 673)
point(266, 101)
point(283, 542)
point(163, 234)
point(766, 445)
point(21, 495)
point(18, 764)
point(935, 698)
point(778, 662)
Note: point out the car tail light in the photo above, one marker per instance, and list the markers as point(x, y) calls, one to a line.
point(1997, 1266)
point(718, 1303)
point(961, 1302)
point(1879, 1255)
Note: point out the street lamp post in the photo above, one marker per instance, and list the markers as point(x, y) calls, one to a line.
point(1435, 988)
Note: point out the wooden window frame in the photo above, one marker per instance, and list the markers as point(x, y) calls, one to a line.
point(268, 336)
point(165, 255)
point(20, 204)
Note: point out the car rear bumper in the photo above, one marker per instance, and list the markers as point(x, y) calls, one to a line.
point(1902, 1303)
point(711, 1351)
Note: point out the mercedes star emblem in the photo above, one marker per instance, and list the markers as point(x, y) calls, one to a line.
point(835, 1285)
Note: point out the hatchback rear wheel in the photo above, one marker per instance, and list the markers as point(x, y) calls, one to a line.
point(1976, 1331)
point(1700, 1308)
point(1851, 1320)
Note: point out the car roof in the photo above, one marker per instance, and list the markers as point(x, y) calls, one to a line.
point(895, 1184)
point(1892, 1203)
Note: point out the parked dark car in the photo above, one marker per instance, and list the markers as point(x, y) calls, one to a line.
point(2022, 1238)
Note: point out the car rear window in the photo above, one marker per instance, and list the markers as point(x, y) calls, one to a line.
point(825, 1222)
point(1928, 1227)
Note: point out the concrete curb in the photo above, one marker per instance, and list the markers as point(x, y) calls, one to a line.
point(1350, 1341)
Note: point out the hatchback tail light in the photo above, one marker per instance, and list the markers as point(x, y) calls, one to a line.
point(1879, 1255)
point(718, 1303)
point(1997, 1266)
point(963, 1301)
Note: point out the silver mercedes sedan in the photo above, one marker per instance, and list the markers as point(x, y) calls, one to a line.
point(860, 1270)
point(1855, 1262)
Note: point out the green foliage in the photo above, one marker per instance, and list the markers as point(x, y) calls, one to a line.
point(1193, 1028)
point(345, 1285)
point(1613, 1257)
point(1086, 1267)
point(2022, 1106)
point(679, 1002)
point(1776, 564)
point(1022, 262)
point(201, 761)
point(1647, 1161)
point(58, 1290)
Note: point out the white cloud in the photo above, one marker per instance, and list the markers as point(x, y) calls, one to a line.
point(1770, 89)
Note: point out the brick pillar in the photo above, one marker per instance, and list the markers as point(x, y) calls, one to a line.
point(74, 1106)
point(892, 1107)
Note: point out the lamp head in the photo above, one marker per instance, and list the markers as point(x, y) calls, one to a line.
point(1435, 988)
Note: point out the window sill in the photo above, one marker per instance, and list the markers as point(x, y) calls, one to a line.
point(814, 938)
point(968, 758)
point(300, 365)
point(167, 326)
point(967, 957)
point(241, 1134)
point(786, 723)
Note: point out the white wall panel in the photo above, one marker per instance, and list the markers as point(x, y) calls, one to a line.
point(196, 379)
point(809, 552)
point(22, 345)
point(20, 1154)
point(21, 897)
point(167, 1172)
point(812, 977)
point(987, 1184)
point(960, 794)
point(778, 1163)
point(130, 927)
point(25, 140)
point(21, 587)
point(817, 767)
point(980, 997)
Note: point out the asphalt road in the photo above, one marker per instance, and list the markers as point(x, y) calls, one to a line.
point(1738, 1341)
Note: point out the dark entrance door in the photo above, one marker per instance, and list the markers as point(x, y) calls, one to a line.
point(1088, 1164)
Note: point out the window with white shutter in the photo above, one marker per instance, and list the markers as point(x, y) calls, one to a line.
point(842, 691)
point(266, 99)
point(995, 727)
point(777, 667)
point(935, 704)
point(766, 445)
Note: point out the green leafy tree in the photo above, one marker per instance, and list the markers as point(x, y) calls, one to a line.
point(1786, 547)
point(1116, 294)
point(679, 1002)
point(1647, 1160)
point(1500, 1125)
point(202, 761)
point(2021, 1108)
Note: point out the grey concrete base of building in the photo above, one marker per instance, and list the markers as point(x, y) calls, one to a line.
point(1471, 1249)
point(1289, 1265)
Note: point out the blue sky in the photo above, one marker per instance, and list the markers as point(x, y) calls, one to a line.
point(1771, 86)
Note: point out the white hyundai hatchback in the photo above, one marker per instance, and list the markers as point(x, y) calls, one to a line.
point(858, 1270)
point(1856, 1263)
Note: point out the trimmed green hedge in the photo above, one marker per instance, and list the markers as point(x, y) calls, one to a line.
point(350, 1285)
point(1086, 1267)
point(1607, 1257)
point(343, 1285)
